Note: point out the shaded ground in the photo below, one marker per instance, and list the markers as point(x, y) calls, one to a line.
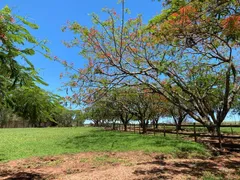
point(122, 166)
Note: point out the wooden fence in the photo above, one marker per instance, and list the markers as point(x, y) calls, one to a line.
point(191, 131)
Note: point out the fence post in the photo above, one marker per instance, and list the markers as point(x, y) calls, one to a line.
point(164, 130)
point(134, 128)
point(154, 132)
point(194, 129)
point(139, 129)
point(231, 129)
point(113, 125)
point(219, 136)
point(177, 132)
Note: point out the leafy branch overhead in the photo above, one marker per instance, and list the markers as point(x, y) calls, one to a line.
point(17, 43)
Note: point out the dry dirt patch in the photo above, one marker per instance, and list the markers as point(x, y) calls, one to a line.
point(120, 166)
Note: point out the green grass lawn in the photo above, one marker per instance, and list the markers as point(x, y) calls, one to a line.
point(29, 142)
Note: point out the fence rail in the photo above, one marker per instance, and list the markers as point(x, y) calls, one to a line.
point(199, 125)
point(194, 130)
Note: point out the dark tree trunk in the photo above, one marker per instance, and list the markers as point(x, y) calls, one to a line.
point(125, 127)
point(219, 136)
point(96, 123)
point(144, 128)
point(179, 126)
point(155, 122)
point(211, 128)
point(114, 126)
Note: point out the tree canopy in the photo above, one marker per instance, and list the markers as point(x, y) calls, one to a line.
point(187, 54)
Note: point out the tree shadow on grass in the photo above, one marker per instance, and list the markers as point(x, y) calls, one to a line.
point(169, 170)
point(100, 140)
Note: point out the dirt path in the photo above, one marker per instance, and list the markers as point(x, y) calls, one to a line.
point(120, 166)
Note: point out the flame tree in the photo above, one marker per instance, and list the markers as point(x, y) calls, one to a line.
point(188, 54)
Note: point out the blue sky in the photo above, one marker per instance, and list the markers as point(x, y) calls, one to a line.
point(51, 15)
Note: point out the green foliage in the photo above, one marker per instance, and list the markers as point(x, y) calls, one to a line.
point(31, 25)
point(37, 108)
point(67, 118)
point(23, 143)
point(7, 115)
point(100, 112)
point(126, 104)
point(33, 104)
point(19, 94)
point(17, 42)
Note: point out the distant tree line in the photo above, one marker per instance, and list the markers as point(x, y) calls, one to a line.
point(123, 105)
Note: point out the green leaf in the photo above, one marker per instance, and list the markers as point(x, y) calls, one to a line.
point(6, 10)
point(24, 21)
point(28, 51)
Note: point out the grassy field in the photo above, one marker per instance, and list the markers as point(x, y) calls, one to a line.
point(23, 143)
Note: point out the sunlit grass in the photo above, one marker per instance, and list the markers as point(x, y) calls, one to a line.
point(29, 142)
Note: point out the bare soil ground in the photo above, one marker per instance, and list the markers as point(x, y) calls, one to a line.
point(120, 166)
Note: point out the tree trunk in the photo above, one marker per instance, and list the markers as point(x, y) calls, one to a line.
point(114, 126)
point(211, 128)
point(155, 123)
point(144, 128)
point(125, 127)
point(179, 125)
point(219, 136)
point(96, 123)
